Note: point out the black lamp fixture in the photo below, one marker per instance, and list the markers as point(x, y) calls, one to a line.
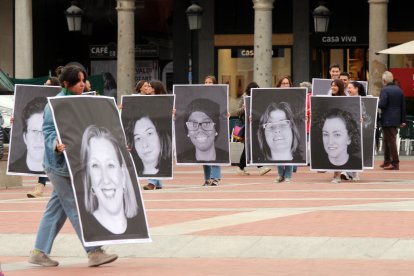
point(194, 13)
point(321, 16)
point(74, 17)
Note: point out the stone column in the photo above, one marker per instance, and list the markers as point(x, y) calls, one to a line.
point(262, 71)
point(301, 45)
point(126, 48)
point(378, 28)
point(23, 39)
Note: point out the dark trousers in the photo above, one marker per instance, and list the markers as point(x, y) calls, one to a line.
point(242, 162)
point(390, 145)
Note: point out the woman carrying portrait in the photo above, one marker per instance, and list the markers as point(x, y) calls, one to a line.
point(356, 89)
point(337, 89)
point(285, 171)
point(61, 204)
point(201, 121)
point(154, 87)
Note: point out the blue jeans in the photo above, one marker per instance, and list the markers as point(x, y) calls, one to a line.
point(211, 172)
point(43, 180)
point(61, 205)
point(285, 171)
point(155, 182)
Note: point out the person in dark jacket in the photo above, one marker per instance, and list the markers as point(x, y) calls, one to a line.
point(392, 112)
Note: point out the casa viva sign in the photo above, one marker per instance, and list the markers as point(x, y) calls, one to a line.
point(340, 39)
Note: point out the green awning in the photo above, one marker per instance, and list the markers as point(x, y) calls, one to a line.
point(6, 84)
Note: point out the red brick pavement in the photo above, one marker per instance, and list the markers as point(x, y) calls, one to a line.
point(184, 200)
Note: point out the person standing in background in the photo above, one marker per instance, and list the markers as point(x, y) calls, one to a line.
point(240, 112)
point(393, 116)
point(344, 77)
point(39, 188)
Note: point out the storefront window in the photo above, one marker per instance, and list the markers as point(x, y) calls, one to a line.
point(235, 68)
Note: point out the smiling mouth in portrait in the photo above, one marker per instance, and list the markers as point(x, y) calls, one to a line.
point(332, 148)
point(202, 138)
point(278, 139)
point(108, 193)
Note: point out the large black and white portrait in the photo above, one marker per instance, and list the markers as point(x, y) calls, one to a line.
point(201, 124)
point(102, 171)
point(148, 128)
point(369, 109)
point(335, 135)
point(27, 143)
point(278, 127)
point(247, 127)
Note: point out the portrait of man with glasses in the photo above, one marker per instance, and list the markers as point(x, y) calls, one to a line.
point(278, 119)
point(205, 126)
point(27, 142)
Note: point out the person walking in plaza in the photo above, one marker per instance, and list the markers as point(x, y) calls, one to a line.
point(284, 171)
point(154, 87)
point(354, 89)
point(212, 173)
point(392, 116)
point(240, 112)
point(61, 204)
point(40, 186)
point(337, 89)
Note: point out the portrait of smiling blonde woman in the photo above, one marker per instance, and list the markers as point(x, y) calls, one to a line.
point(109, 194)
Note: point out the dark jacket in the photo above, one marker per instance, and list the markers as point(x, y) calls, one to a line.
point(392, 105)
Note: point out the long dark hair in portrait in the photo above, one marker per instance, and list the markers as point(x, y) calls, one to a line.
point(265, 150)
point(163, 126)
point(350, 125)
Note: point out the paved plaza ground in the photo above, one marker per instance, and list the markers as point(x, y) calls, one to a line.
point(246, 226)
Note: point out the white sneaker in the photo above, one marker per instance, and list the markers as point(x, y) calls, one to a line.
point(279, 179)
point(264, 170)
point(336, 180)
point(287, 180)
point(241, 172)
point(356, 177)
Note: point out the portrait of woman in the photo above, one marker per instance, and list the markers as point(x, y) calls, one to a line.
point(341, 140)
point(278, 135)
point(109, 196)
point(149, 134)
point(202, 125)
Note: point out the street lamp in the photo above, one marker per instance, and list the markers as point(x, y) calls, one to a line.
point(194, 13)
point(321, 16)
point(74, 17)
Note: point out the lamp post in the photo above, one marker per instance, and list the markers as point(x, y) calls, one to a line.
point(74, 17)
point(194, 13)
point(321, 16)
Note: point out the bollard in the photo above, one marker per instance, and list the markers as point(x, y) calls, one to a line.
point(7, 181)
